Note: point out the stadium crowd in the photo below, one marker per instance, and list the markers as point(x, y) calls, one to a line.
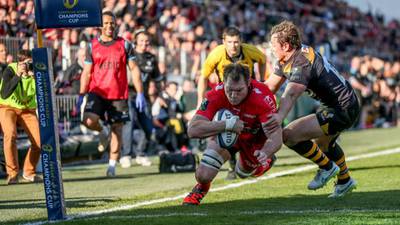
point(183, 32)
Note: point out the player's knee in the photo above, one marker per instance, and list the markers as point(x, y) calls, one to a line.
point(204, 175)
point(324, 146)
point(89, 122)
point(212, 159)
point(288, 137)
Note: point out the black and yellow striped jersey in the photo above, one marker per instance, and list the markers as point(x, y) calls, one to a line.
point(323, 81)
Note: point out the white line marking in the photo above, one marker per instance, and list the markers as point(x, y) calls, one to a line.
point(150, 216)
point(258, 212)
point(229, 186)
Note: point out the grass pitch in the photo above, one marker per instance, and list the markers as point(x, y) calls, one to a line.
point(280, 200)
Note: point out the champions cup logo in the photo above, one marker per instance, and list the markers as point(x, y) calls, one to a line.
point(40, 66)
point(47, 148)
point(69, 5)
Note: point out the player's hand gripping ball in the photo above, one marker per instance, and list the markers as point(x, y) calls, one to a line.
point(227, 138)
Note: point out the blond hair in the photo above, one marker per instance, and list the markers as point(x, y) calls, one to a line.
point(286, 31)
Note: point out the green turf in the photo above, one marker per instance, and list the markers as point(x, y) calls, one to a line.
point(283, 200)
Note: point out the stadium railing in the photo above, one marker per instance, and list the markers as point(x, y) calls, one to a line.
point(180, 62)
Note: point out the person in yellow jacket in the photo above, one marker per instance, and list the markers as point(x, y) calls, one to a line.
point(18, 107)
point(231, 51)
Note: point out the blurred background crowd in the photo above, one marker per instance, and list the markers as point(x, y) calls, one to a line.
point(363, 46)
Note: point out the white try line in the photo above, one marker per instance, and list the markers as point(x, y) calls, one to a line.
point(229, 186)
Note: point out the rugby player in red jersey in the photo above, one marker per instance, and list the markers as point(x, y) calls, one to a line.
point(251, 102)
point(105, 87)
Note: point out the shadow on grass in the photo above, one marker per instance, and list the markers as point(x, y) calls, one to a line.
point(351, 169)
point(293, 164)
point(83, 179)
point(70, 202)
point(257, 211)
point(122, 176)
point(374, 168)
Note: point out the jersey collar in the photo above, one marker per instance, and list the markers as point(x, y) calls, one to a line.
point(237, 58)
point(108, 43)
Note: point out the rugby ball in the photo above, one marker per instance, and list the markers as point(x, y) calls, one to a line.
point(225, 139)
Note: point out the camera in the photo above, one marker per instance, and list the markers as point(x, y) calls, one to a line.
point(29, 65)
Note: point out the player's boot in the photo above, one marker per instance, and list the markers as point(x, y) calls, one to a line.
point(110, 171)
point(194, 197)
point(323, 176)
point(342, 189)
point(263, 169)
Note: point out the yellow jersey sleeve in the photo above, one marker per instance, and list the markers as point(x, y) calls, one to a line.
point(212, 60)
point(253, 53)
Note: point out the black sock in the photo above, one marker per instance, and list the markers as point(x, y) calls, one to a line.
point(336, 154)
point(311, 151)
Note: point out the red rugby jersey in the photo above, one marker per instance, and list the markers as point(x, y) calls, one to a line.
point(108, 76)
point(253, 111)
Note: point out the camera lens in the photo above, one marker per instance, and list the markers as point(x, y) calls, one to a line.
point(29, 65)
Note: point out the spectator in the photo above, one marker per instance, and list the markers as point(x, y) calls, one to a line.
point(169, 126)
point(3, 59)
point(362, 80)
point(70, 83)
point(188, 100)
point(13, 25)
point(148, 71)
point(105, 86)
point(18, 107)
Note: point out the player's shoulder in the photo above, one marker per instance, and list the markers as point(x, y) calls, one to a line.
point(217, 51)
point(252, 51)
point(217, 92)
point(249, 46)
point(260, 87)
point(261, 96)
point(214, 56)
point(306, 55)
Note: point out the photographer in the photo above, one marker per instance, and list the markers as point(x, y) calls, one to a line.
point(18, 107)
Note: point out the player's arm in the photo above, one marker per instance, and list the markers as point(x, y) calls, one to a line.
point(136, 78)
point(85, 77)
point(274, 82)
point(261, 71)
point(201, 127)
point(208, 67)
point(273, 142)
point(201, 89)
point(292, 92)
point(87, 69)
point(134, 68)
point(261, 60)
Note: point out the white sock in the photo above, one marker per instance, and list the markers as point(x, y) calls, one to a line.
point(112, 162)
